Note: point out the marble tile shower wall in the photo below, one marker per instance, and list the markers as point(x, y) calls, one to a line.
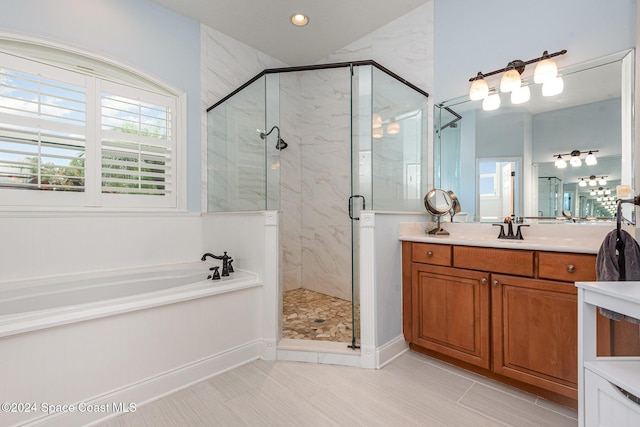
point(316, 181)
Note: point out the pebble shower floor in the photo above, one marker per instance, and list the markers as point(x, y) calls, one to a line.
point(310, 315)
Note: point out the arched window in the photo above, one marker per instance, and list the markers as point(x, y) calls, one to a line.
point(77, 132)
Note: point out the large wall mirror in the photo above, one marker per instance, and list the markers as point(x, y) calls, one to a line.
point(503, 162)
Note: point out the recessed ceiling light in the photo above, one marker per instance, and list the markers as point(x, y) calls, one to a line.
point(299, 19)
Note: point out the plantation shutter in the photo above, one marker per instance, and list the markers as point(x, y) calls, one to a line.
point(42, 127)
point(137, 143)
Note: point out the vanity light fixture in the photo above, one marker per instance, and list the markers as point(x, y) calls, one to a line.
point(299, 19)
point(592, 181)
point(575, 159)
point(546, 72)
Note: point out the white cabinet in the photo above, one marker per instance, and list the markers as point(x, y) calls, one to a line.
point(608, 387)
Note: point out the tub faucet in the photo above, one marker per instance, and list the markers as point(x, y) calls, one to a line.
point(509, 221)
point(225, 261)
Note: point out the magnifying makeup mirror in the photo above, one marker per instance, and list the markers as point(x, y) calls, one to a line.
point(438, 202)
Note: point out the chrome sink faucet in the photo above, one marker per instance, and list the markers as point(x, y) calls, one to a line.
point(510, 235)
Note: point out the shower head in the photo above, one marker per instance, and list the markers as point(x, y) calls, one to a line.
point(280, 145)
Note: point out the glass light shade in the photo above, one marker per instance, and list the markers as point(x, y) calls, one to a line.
point(592, 182)
point(393, 128)
point(553, 87)
point(600, 192)
point(582, 182)
point(376, 121)
point(598, 199)
point(521, 95)
point(608, 191)
point(591, 159)
point(377, 132)
point(593, 193)
point(479, 90)
point(545, 71)
point(491, 102)
point(575, 161)
point(510, 81)
point(602, 181)
point(560, 163)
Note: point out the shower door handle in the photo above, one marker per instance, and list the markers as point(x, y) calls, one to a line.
point(356, 196)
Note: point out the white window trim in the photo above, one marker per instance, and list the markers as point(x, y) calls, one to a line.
point(42, 50)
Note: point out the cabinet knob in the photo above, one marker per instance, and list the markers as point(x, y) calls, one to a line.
point(495, 283)
point(429, 254)
point(571, 268)
point(483, 281)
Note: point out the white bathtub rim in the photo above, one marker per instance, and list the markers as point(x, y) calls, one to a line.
point(97, 274)
point(31, 321)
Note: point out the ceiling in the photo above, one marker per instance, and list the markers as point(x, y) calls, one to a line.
point(265, 25)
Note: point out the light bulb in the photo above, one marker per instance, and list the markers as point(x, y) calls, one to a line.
point(560, 162)
point(299, 19)
point(545, 71)
point(491, 102)
point(510, 81)
point(553, 87)
point(479, 89)
point(520, 95)
point(591, 159)
point(376, 121)
point(393, 128)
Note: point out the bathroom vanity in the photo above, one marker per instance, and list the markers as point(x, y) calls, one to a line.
point(505, 309)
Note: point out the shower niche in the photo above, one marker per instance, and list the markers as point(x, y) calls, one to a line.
point(350, 136)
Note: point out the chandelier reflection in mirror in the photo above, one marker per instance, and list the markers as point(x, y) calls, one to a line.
point(546, 74)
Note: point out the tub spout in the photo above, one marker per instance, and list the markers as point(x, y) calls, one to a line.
point(204, 257)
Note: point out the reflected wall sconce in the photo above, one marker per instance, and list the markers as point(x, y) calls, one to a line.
point(545, 73)
point(593, 181)
point(575, 160)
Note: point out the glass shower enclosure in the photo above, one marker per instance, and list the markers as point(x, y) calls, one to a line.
point(341, 138)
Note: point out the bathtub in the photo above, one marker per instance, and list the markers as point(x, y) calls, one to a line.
point(121, 337)
point(32, 304)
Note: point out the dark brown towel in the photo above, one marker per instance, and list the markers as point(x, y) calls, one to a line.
point(618, 259)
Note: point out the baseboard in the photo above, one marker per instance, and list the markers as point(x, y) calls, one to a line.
point(324, 352)
point(390, 351)
point(153, 388)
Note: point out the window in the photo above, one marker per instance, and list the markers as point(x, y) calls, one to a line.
point(74, 139)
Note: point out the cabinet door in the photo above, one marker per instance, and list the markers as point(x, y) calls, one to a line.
point(535, 332)
point(450, 312)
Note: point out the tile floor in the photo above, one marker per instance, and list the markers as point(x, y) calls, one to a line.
point(309, 315)
point(413, 390)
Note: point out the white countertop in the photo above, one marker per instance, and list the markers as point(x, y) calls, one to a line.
point(578, 238)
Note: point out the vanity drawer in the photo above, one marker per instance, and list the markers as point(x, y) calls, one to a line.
point(507, 261)
point(428, 253)
point(567, 267)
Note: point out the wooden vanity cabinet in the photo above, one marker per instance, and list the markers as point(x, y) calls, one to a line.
point(512, 313)
point(535, 332)
point(450, 312)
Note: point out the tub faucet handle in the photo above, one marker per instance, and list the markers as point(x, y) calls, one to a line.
point(216, 273)
point(230, 267)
